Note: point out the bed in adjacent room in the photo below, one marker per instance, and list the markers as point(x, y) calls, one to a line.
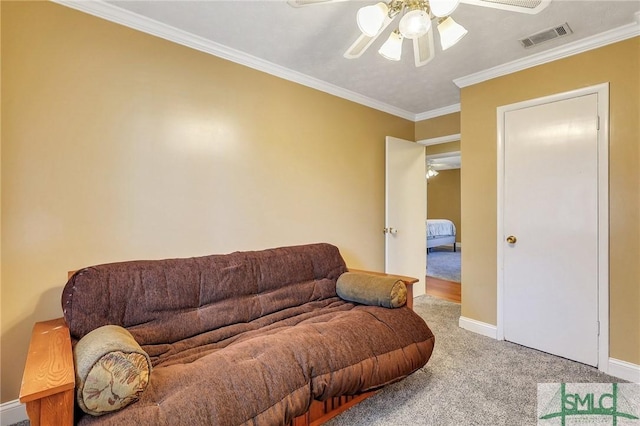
point(440, 232)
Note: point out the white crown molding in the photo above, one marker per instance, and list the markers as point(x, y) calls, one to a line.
point(608, 37)
point(437, 112)
point(130, 19)
point(439, 140)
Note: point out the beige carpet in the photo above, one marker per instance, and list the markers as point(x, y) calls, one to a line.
point(469, 380)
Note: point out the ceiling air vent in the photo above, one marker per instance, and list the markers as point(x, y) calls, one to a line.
point(550, 34)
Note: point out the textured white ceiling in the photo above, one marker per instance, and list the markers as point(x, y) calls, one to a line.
point(311, 40)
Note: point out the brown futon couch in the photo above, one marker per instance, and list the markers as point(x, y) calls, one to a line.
point(243, 338)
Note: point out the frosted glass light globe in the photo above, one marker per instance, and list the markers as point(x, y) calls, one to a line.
point(450, 32)
point(442, 8)
point(371, 18)
point(415, 23)
point(392, 48)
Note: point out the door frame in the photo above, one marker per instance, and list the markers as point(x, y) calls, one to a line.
point(602, 91)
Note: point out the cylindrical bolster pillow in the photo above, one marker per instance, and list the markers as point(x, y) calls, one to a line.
point(373, 290)
point(112, 370)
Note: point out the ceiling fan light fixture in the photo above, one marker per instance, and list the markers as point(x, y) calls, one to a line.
point(431, 172)
point(442, 8)
point(450, 32)
point(415, 23)
point(371, 18)
point(392, 48)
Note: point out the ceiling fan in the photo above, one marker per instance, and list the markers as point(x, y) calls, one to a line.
point(416, 24)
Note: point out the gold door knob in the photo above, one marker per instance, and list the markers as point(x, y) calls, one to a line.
point(511, 239)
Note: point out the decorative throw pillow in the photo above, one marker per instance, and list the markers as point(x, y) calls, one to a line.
point(112, 370)
point(373, 290)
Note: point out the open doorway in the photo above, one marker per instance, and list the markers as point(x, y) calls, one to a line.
point(444, 230)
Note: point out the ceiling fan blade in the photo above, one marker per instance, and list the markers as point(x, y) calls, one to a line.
point(523, 6)
point(358, 47)
point(363, 42)
point(301, 3)
point(423, 48)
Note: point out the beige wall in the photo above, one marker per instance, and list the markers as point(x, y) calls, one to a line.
point(444, 125)
point(443, 198)
point(441, 148)
point(617, 64)
point(118, 145)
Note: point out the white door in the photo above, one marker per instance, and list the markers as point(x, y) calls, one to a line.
point(405, 211)
point(550, 224)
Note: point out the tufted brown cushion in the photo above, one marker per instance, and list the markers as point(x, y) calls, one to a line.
point(162, 301)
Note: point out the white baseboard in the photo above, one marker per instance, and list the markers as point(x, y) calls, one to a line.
point(12, 412)
point(624, 370)
point(479, 327)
